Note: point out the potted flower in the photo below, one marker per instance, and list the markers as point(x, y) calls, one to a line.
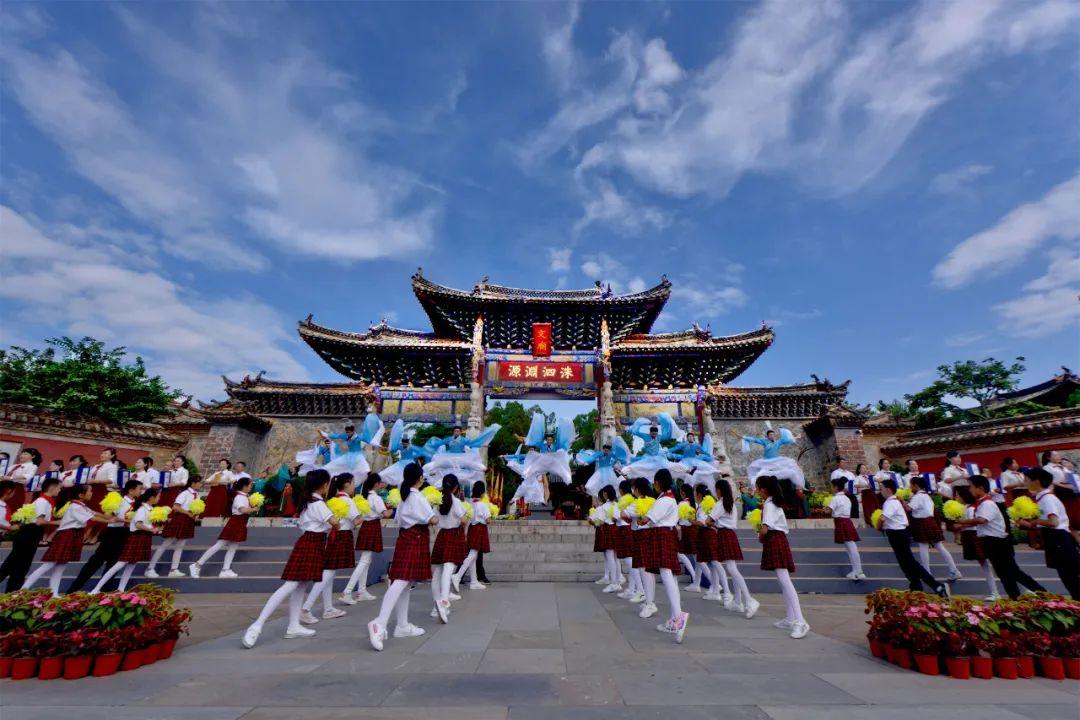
point(175, 625)
point(1067, 647)
point(1004, 648)
point(110, 653)
point(925, 645)
point(21, 647)
point(958, 646)
point(81, 646)
point(50, 647)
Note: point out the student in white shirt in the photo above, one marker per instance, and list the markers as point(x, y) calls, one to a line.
point(179, 528)
point(687, 538)
point(449, 550)
point(112, 539)
point(662, 553)
point(369, 540)
point(955, 478)
point(844, 532)
point(306, 562)
point(990, 527)
point(103, 476)
point(605, 541)
point(178, 477)
point(639, 488)
point(25, 544)
point(1061, 551)
point(340, 553)
point(776, 555)
point(145, 472)
point(22, 472)
point(912, 471)
point(67, 543)
point(926, 528)
point(240, 471)
point(7, 489)
point(477, 538)
point(723, 519)
point(1011, 479)
point(140, 538)
point(894, 522)
point(217, 499)
point(233, 533)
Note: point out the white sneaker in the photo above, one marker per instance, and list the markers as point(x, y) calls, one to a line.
point(364, 596)
point(453, 596)
point(668, 627)
point(860, 576)
point(626, 594)
point(443, 609)
point(455, 582)
point(954, 576)
point(850, 575)
point(637, 598)
point(648, 610)
point(375, 635)
point(251, 636)
point(347, 598)
point(991, 598)
point(477, 586)
point(681, 621)
point(692, 588)
point(601, 581)
point(228, 573)
point(711, 596)
point(332, 613)
point(737, 608)
point(751, 609)
point(177, 573)
point(783, 624)
point(799, 630)
point(194, 569)
point(151, 573)
point(611, 589)
point(307, 618)
point(727, 599)
point(434, 613)
point(299, 632)
point(410, 630)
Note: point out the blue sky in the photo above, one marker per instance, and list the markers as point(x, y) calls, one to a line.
point(890, 185)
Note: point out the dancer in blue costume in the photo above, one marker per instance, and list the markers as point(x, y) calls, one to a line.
point(772, 462)
point(531, 489)
point(352, 460)
point(549, 454)
point(406, 452)
point(316, 457)
point(614, 455)
point(652, 457)
point(693, 461)
point(458, 455)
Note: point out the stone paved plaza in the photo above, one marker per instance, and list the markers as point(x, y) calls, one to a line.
point(536, 650)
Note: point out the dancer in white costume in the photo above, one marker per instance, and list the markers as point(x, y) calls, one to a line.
point(533, 490)
point(614, 455)
point(549, 454)
point(693, 461)
point(406, 453)
point(653, 457)
point(316, 457)
point(346, 449)
point(771, 462)
point(457, 455)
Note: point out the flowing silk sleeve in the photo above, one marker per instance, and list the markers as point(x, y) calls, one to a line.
point(485, 436)
point(564, 433)
point(396, 433)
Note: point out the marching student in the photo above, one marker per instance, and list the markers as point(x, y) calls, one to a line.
point(139, 540)
point(232, 534)
point(661, 551)
point(996, 542)
point(639, 488)
point(340, 554)
point(605, 516)
point(369, 540)
point(844, 532)
point(179, 528)
point(688, 540)
point(776, 555)
point(217, 500)
point(973, 551)
point(624, 551)
point(449, 550)
point(926, 528)
point(477, 539)
point(7, 489)
point(306, 562)
point(729, 552)
point(112, 539)
point(21, 474)
point(1064, 488)
point(178, 480)
point(66, 545)
point(1059, 545)
point(894, 521)
point(719, 584)
point(25, 543)
point(411, 562)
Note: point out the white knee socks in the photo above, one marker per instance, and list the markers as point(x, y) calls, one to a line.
point(650, 586)
point(467, 565)
point(324, 587)
point(791, 597)
point(177, 553)
point(436, 583)
point(398, 589)
point(447, 574)
point(946, 555)
point(853, 556)
point(358, 579)
point(275, 599)
point(37, 574)
point(230, 553)
point(211, 552)
point(924, 555)
point(117, 567)
point(988, 575)
point(125, 576)
point(672, 589)
point(685, 562)
point(742, 591)
point(611, 566)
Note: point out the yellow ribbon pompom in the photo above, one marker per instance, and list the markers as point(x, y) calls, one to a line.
point(60, 512)
point(687, 512)
point(592, 515)
point(433, 495)
point(493, 508)
point(256, 500)
point(468, 511)
point(612, 511)
point(110, 503)
point(339, 506)
point(708, 503)
point(644, 505)
point(1023, 508)
point(362, 505)
point(875, 518)
point(159, 515)
point(197, 507)
point(393, 498)
point(952, 509)
point(904, 494)
point(754, 518)
point(625, 500)
point(25, 514)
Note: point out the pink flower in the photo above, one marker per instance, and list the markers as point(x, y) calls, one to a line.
point(971, 618)
point(105, 600)
point(48, 615)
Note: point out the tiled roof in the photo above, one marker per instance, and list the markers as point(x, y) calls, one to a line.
point(489, 291)
point(1051, 424)
point(776, 401)
point(31, 419)
point(695, 339)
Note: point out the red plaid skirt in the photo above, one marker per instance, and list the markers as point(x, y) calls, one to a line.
point(478, 538)
point(369, 537)
point(168, 496)
point(66, 546)
point(637, 540)
point(688, 539)
point(307, 560)
point(217, 502)
point(776, 553)
point(844, 531)
point(605, 538)
point(624, 543)
point(973, 549)
point(449, 547)
point(339, 551)
point(179, 526)
point(660, 549)
point(412, 559)
point(728, 547)
point(136, 547)
point(235, 529)
point(708, 545)
point(926, 530)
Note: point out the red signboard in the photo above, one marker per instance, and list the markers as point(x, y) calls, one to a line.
point(541, 339)
point(550, 372)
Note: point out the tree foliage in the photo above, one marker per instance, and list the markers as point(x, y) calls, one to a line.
point(587, 425)
point(979, 381)
point(83, 379)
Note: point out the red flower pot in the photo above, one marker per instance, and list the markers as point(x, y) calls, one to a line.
point(958, 667)
point(77, 667)
point(926, 664)
point(167, 648)
point(1005, 668)
point(22, 668)
point(107, 664)
point(133, 660)
point(877, 649)
point(903, 658)
point(151, 653)
point(890, 653)
point(1072, 668)
point(982, 667)
point(1025, 666)
point(50, 668)
point(5, 667)
point(1051, 668)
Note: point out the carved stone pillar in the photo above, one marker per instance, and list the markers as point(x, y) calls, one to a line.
point(608, 426)
point(476, 387)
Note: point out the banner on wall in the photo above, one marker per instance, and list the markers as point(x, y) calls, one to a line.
point(541, 340)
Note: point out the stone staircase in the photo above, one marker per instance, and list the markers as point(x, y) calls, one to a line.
point(545, 550)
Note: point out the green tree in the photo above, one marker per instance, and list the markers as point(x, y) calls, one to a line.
point(83, 379)
point(978, 381)
point(586, 425)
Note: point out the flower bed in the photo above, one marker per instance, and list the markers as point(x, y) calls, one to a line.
point(81, 634)
point(963, 637)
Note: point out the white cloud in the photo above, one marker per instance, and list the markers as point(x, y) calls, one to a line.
point(958, 179)
point(605, 204)
point(83, 289)
point(1039, 314)
point(707, 302)
point(608, 270)
point(964, 339)
point(559, 259)
point(997, 249)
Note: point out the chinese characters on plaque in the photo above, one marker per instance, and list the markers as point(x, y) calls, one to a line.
point(541, 345)
point(531, 371)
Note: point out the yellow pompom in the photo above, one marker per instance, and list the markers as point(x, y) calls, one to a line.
point(25, 514)
point(433, 495)
point(256, 500)
point(362, 505)
point(644, 505)
point(708, 503)
point(1023, 508)
point(468, 511)
point(904, 494)
point(592, 513)
point(339, 506)
point(159, 515)
point(60, 512)
point(485, 499)
point(875, 518)
point(952, 509)
point(393, 498)
point(686, 512)
point(625, 500)
point(754, 518)
point(493, 508)
point(612, 511)
point(110, 503)
point(197, 507)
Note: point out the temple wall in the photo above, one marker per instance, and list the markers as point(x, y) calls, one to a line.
point(811, 456)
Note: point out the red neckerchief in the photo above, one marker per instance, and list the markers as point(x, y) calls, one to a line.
point(344, 495)
point(50, 500)
point(7, 513)
point(1043, 493)
point(668, 494)
point(985, 498)
point(12, 472)
point(78, 502)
